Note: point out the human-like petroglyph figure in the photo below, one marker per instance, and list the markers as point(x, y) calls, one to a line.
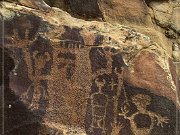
point(36, 4)
point(176, 52)
point(40, 60)
point(99, 103)
point(35, 67)
point(106, 65)
point(142, 101)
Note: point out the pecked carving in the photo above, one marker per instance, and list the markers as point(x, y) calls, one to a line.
point(90, 78)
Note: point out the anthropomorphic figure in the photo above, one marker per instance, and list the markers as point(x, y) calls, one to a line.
point(99, 105)
point(39, 91)
point(142, 102)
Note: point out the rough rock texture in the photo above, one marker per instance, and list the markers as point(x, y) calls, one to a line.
point(158, 19)
point(166, 14)
point(69, 76)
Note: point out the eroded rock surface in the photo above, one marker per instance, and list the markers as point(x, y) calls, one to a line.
point(87, 77)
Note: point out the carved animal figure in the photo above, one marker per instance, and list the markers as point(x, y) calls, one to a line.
point(36, 4)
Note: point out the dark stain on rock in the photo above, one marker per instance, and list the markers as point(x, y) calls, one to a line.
point(21, 24)
point(40, 50)
point(143, 121)
point(84, 8)
point(98, 60)
point(67, 55)
point(72, 34)
point(16, 115)
point(68, 62)
point(99, 40)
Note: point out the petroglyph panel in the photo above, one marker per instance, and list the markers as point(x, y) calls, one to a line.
point(77, 88)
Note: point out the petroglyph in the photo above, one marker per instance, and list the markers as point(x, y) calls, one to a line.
point(99, 106)
point(116, 128)
point(35, 63)
point(107, 82)
point(40, 60)
point(17, 42)
point(79, 85)
point(104, 90)
point(142, 102)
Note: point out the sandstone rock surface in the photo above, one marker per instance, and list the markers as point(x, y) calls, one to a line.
point(64, 65)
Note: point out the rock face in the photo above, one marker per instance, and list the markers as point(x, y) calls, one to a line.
point(72, 76)
point(166, 14)
point(158, 16)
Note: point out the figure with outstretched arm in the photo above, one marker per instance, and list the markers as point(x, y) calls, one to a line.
point(142, 102)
